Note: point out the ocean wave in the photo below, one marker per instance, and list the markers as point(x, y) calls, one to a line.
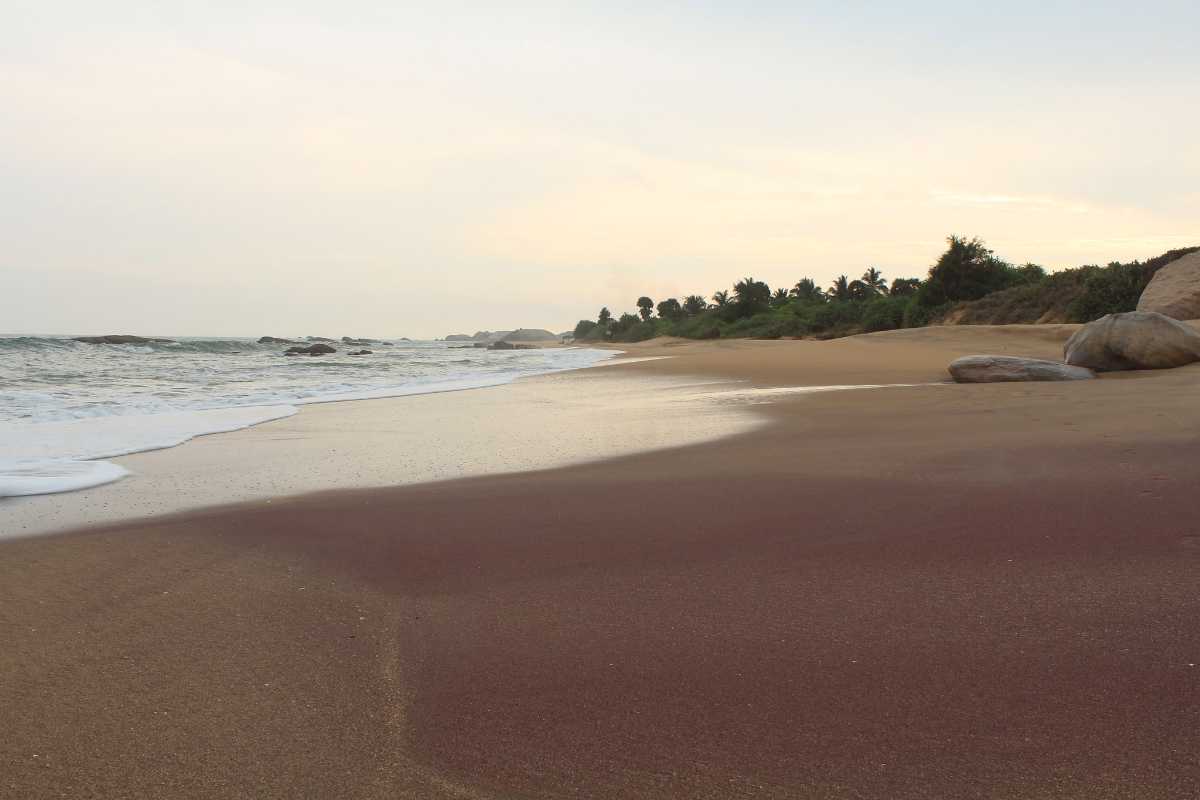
point(15, 343)
point(185, 345)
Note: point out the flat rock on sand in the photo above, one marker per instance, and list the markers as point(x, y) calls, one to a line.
point(999, 369)
point(1133, 340)
point(1175, 289)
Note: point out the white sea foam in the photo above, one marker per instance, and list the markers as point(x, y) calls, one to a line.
point(54, 457)
point(51, 477)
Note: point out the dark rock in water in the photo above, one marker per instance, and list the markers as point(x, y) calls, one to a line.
point(359, 342)
point(360, 353)
point(1000, 369)
point(1133, 340)
point(275, 340)
point(318, 339)
point(113, 338)
point(317, 349)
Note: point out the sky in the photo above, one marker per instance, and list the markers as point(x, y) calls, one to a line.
point(419, 169)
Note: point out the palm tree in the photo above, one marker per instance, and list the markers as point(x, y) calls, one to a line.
point(670, 309)
point(840, 290)
point(806, 289)
point(779, 297)
point(749, 290)
point(874, 281)
point(693, 304)
point(645, 307)
point(721, 298)
point(860, 290)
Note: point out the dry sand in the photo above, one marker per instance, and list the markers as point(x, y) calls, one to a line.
point(935, 591)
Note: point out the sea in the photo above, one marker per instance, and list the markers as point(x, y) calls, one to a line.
point(67, 406)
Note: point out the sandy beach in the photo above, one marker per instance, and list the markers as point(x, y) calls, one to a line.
point(924, 591)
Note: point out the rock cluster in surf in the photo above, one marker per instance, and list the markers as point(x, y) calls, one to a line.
point(114, 338)
point(315, 349)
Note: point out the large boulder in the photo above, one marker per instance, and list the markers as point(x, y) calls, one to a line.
point(998, 369)
point(1175, 289)
point(1133, 340)
point(275, 340)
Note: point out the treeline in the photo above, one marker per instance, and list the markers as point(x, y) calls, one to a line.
point(968, 276)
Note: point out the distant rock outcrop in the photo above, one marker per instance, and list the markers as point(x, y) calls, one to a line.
point(114, 338)
point(360, 353)
point(1000, 369)
point(530, 335)
point(519, 335)
point(275, 340)
point(318, 349)
point(478, 336)
point(509, 346)
point(1133, 340)
point(319, 339)
point(1175, 289)
point(359, 342)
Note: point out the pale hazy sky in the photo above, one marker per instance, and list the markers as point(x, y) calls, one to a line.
point(418, 169)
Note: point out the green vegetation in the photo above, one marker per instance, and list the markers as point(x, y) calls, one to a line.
point(1071, 295)
point(967, 285)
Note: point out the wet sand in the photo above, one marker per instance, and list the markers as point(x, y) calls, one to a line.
point(537, 423)
point(934, 591)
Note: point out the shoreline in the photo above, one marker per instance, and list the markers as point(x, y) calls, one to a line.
point(955, 591)
point(533, 422)
point(61, 455)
